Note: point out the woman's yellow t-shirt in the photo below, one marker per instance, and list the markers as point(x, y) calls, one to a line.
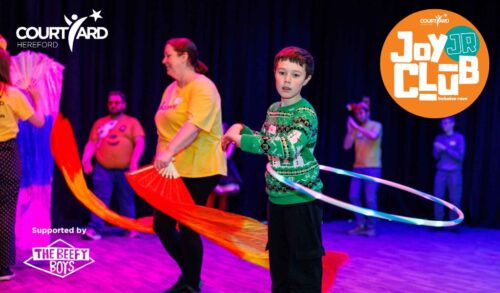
point(13, 105)
point(198, 103)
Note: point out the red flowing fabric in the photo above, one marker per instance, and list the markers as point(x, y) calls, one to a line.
point(65, 153)
point(245, 237)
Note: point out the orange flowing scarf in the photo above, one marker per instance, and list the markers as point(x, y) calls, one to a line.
point(242, 236)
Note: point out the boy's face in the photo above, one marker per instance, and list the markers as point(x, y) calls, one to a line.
point(447, 125)
point(290, 78)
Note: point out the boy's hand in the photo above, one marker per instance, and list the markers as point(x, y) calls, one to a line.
point(230, 138)
point(234, 129)
point(232, 135)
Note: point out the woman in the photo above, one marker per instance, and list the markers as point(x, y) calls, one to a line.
point(189, 126)
point(13, 105)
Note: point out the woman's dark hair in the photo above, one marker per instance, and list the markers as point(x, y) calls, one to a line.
point(185, 45)
point(4, 69)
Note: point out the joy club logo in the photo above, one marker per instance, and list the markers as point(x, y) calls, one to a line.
point(434, 63)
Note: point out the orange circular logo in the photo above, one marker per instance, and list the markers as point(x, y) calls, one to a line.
point(434, 63)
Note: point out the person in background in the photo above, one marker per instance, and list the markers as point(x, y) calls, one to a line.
point(448, 150)
point(117, 141)
point(366, 136)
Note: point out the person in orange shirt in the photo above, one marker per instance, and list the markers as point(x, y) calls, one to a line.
point(117, 141)
point(366, 136)
point(13, 106)
point(189, 123)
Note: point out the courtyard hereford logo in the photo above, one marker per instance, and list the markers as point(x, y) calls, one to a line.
point(434, 63)
point(59, 259)
point(49, 37)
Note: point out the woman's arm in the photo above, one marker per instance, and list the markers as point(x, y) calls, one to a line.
point(37, 119)
point(184, 137)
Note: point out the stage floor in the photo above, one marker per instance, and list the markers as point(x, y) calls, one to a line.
point(401, 258)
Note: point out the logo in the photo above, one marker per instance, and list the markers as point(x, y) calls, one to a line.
point(436, 20)
point(434, 63)
point(50, 36)
point(59, 259)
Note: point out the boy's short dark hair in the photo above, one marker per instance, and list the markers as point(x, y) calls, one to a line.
point(451, 118)
point(118, 93)
point(296, 55)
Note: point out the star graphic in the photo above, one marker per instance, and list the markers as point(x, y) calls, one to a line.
point(96, 15)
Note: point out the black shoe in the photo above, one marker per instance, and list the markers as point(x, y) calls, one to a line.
point(189, 289)
point(176, 288)
point(6, 274)
point(358, 230)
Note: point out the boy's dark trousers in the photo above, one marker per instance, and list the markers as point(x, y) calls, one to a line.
point(295, 247)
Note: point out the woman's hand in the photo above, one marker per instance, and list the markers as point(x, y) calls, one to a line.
point(33, 90)
point(162, 159)
point(169, 172)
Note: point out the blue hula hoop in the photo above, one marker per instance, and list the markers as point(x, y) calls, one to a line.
point(370, 212)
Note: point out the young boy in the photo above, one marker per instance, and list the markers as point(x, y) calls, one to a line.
point(449, 150)
point(288, 138)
